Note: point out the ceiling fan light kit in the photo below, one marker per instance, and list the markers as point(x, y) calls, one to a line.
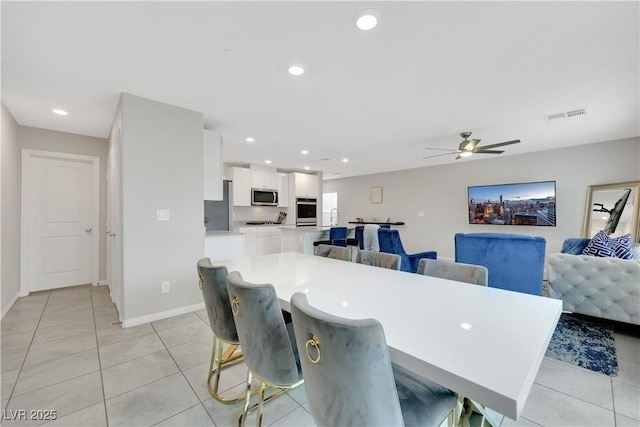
point(468, 147)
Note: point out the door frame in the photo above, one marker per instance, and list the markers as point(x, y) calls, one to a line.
point(25, 195)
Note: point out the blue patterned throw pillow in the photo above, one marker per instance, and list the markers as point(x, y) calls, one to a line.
point(604, 246)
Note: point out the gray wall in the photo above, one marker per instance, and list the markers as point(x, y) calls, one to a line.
point(49, 140)
point(161, 169)
point(9, 211)
point(441, 192)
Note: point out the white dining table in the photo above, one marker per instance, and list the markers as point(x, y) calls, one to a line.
point(484, 343)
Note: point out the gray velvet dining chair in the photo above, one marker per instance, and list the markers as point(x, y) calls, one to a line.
point(213, 283)
point(268, 343)
point(467, 273)
point(379, 259)
point(335, 252)
point(349, 377)
point(461, 272)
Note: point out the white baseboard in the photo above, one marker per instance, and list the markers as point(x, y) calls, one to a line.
point(162, 315)
point(8, 307)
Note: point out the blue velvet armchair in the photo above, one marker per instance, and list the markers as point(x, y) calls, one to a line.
point(337, 237)
point(515, 261)
point(390, 243)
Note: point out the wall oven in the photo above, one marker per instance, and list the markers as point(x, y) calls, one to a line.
point(260, 197)
point(306, 212)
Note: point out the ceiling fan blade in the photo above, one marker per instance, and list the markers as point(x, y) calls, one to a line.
point(467, 145)
point(442, 149)
point(481, 150)
point(500, 144)
point(440, 155)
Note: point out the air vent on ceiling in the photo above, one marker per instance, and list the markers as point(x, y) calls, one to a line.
point(565, 115)
point(559, 116)
point(576, 113)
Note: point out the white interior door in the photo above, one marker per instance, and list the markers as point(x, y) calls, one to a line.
point(60, 220)
point(114, 218)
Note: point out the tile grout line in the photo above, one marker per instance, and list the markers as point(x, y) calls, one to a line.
point(200, 402)
point(576, 397)
point(95, 329)
point(27, 352)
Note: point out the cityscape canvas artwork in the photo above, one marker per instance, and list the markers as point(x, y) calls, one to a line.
point(531, 203)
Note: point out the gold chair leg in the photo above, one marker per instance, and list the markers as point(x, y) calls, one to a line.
point(230, 357)
point(260, 405)
point(261, 399)
point(247, 399)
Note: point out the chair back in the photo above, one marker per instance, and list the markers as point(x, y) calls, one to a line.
point(347, 369)
point(379, 259)
point(266, 343)
point(468, 273)
point(335, 252)
point(390, 243)
point(515, 261)
point(359, 233)
point(213, 282)
point(338, 236)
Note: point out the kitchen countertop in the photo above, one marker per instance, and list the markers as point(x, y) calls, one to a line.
point(221, 233)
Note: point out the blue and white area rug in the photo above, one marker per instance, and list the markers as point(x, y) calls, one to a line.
point(584, 343)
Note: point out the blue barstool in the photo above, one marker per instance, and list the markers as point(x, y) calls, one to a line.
point(337, 237)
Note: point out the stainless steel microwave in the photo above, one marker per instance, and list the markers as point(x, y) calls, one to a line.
point(262, 197)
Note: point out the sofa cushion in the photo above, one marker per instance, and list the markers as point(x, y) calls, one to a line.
point(574, 245)
point(602, 245)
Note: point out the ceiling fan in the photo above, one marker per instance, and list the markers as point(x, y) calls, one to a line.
point(468, 147)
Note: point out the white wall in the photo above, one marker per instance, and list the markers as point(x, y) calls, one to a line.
point(161, 169)
point(441, 192)
point(9, 211)
point(62, 142)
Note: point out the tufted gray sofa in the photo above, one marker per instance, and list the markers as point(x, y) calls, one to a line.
point(602, 287)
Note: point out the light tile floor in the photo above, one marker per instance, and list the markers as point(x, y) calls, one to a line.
point(61, 351)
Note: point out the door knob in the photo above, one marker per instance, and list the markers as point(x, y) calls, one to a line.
point(88, 230)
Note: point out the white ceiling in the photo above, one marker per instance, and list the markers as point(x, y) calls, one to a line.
point(427, 72)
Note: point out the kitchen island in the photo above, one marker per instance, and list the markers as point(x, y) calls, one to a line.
point(300, 239)
point(220, 245)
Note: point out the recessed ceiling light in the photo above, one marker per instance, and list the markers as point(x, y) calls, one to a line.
point(250, 139)
point(345, 160)
point(367, 19)
point(60, 112)
point(267, 161)
point(296, 70)
point(304, 152)
point(307, 168)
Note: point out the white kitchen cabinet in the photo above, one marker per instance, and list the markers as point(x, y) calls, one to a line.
point(269, 241)
point(265, 180)
point(212, 157)
point(241, 178)
point(224, 246)
point(283, 190)
point(261, 240)
point(305, 185)
point(250, 244)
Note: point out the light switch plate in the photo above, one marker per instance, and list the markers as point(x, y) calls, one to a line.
point(162, 215)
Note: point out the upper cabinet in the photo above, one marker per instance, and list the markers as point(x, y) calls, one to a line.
point(241, 178)
point(305, 185)
point(283, 190)
point(212, 156)
point(265, 180)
